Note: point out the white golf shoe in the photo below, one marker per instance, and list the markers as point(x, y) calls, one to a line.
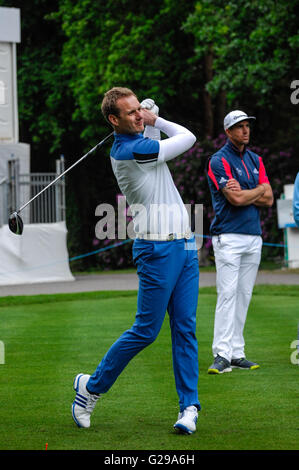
point(84, 402)
point(187, 420)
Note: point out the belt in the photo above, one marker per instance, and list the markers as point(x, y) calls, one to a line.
point(161, 237)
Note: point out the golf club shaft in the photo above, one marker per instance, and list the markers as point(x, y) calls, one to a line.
point(66, 171)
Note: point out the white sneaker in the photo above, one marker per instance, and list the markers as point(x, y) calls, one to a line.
point(84, 402)
point(187, 419)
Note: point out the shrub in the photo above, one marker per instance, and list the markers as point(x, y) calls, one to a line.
point(189, 174)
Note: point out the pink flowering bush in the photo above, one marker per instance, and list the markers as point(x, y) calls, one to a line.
point(190, 177)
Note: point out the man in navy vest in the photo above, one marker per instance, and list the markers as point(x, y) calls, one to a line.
point(239, 187)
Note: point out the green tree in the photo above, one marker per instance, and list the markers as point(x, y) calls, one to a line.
point(249, 51)
point(44, 101)
point(125, 43)
point(122, 43)
point(195, 58)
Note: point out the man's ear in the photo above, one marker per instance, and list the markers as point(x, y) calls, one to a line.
point(113, 119)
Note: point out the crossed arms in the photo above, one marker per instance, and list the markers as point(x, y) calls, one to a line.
point(261, 196)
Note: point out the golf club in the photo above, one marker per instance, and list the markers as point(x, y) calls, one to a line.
point(15, 222)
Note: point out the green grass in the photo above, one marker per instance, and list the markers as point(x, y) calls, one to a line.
point(50, 338)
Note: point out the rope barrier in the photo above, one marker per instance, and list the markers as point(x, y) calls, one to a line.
point(279, 245)
point(101, 250)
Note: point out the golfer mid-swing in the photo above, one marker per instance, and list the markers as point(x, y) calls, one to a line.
point(164, 252)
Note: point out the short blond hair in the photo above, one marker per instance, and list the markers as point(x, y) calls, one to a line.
point(109, 103)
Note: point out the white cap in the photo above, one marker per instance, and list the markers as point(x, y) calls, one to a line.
point(235, 116)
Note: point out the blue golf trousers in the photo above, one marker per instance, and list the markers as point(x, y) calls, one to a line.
point(168, 281)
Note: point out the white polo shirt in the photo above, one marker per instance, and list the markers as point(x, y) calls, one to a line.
point(140, 167)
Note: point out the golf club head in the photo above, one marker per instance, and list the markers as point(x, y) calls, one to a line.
point(15, 223)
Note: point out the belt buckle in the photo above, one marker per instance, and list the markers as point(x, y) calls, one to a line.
point(170, 237)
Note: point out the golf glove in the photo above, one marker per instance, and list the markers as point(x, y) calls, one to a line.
point(149, 104)
point(150, 131)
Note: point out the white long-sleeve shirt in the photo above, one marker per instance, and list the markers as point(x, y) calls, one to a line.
point(140, 167)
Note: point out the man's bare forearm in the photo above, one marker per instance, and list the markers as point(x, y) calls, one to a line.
point(244, 197)
point(267, 199)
